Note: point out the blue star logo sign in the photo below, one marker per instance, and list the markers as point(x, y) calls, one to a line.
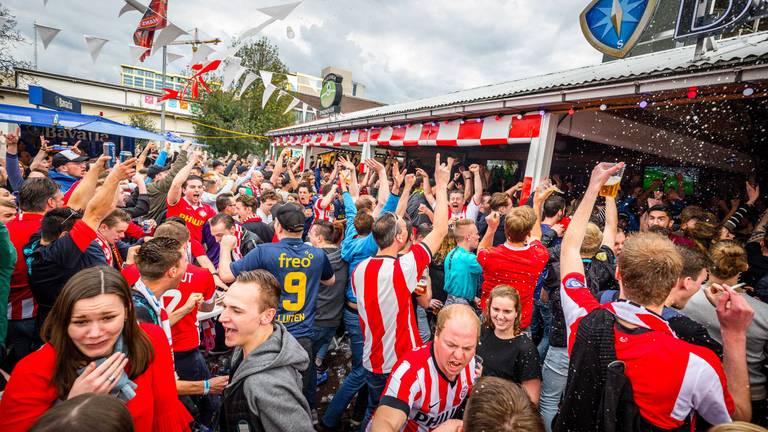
point(614, 26)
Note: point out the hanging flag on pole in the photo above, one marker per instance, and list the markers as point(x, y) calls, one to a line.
point(155, 18)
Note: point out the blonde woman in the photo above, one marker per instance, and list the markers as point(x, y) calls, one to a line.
point(505, 350)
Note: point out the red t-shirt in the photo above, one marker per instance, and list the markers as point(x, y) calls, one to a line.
point(156, 406)
point(517, 267)
point(186, 332)
point(21, 303)
point(194, 216)
point(196, 248)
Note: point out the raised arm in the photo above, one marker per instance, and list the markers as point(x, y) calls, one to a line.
point(174, 193)
point(87, 186)
point(383, 192)
point(104, 200)
point(402, 203)
point(543, 191)
point(143, 155)
point(426, 186)
point(735, 316)
point(759, 232)
point(492, 220)
point(440, 223)
point(354, 188)
point(278, 171)
point(611, 222)
point(467, 176)
point(397, 177)
point(570, 252)
point(327, 198)
point(478, 181)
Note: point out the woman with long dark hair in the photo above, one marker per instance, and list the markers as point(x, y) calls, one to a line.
point(93, 344)
point(506, 351)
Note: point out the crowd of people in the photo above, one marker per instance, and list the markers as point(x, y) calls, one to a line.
point(171, 291)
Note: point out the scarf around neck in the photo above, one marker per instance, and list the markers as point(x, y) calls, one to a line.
point(125, 389)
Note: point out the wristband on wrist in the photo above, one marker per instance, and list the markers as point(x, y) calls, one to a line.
point(206, 387)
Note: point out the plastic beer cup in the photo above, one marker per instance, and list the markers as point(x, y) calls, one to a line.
point(612, 186)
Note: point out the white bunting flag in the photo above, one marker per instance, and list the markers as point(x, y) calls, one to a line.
point(129, 7)
point(289, 33)
point(280, 11)
point(249, 79)
point(95, 44)
point(292, 105)
point(231, 71)
point(172, 57)
point(293, 80)
point(45, 2)
point(268, 90)
point(201, 55)
point(46, 33)
point(254, 30)
point(167, 35)
point(136, 52)
point(266, 77)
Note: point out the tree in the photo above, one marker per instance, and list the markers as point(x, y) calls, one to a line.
point(225, 111)
point(142, 121)
point(9, 39)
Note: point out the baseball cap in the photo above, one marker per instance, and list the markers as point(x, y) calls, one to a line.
point(67, 156)
point(290, 216)
point(154, 170)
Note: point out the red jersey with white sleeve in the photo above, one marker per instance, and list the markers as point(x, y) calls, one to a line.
point(186, 331)
point(469, 211)
point(518, 267)
point(194, 215)
point(670, 378)
point(21, 303)
point(383, 287)
point(326, 214)
point(419, 388)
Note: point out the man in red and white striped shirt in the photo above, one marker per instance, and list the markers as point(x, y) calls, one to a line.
point(36, 197)
point(430, 385)
point(323, 208)
point(383, 285)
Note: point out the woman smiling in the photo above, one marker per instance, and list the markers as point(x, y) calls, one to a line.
point(95, 345)
point(506, 351)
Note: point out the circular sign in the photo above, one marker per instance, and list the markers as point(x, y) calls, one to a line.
point(328, 94)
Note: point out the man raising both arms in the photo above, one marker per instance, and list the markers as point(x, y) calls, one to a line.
point(670, 379)
point(383, 285)
point(184, 199)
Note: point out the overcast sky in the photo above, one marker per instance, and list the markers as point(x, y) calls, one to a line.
point(400, 50)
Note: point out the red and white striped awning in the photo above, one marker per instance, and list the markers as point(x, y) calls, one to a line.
point(493, 130)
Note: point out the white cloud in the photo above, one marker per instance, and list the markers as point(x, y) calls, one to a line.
point(399, 49)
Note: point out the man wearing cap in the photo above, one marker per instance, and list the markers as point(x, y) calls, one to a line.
point(299, 268)
point(68, 168)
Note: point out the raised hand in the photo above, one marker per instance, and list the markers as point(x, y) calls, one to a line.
point(753, 193)
point(442, 171)
point(602, 172)
point(493, 221)
point(99, 379)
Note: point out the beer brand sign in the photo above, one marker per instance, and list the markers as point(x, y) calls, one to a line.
point(613, 27)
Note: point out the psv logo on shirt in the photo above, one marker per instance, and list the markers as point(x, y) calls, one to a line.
point(202, 213)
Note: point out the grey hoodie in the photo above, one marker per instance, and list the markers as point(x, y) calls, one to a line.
point(272, 374)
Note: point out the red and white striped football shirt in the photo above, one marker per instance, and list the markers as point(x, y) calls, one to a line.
point(326, 214)
point(469, 211)
point(21, 302)
point(420, 389)
point(383, 287)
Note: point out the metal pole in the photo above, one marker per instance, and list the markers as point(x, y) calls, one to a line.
point(34, 30)
point(162, 112)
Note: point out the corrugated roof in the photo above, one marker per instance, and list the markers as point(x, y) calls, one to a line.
point(729, 52)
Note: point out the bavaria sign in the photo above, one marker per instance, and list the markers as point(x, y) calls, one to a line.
point(613, 27)
point(43, 97)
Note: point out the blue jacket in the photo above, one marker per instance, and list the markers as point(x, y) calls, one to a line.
point(354, 249)
point(62, 180)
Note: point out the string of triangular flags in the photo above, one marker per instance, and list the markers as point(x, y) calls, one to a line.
point(233, 70)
